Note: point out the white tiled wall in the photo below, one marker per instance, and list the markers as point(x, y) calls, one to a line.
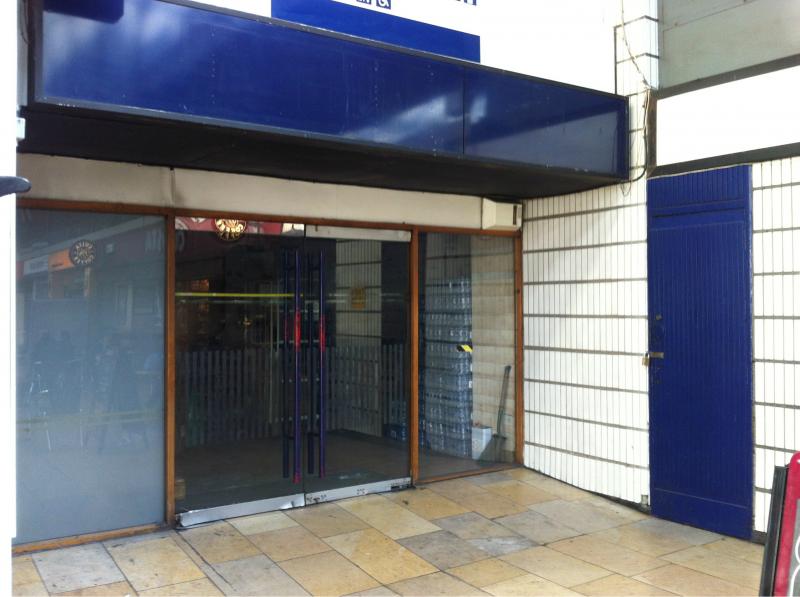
point(585, 306)
point(586, 329)
point(358, 266)
point(776, 322)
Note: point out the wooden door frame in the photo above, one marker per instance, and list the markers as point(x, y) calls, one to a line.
point(519, 402)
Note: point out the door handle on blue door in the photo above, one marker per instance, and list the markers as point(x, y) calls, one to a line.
point(651, 355)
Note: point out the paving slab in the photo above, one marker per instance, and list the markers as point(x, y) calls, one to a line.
point(444, 549)
point(642, 540)
point(327, 520)
point(262, 523)
point(289, 543)
point(607, 555)
point(554, 566)
point(329, 573)
point(219, 542)
point(474, 526)
point(78, 567)
point(149, 564)
point(427, 503)
point(438, 583)
point(486, 572)
point(500, 546)
point(684, 581)
point(735, 570)
point(117, 589)
point(579, 515)
point(388, 517)
point(674, 530)
point(258, 575)
point(521, 493)
point(537, 527)
point(737, 548)
point(529, 585)
point(380, 556)
point(619, 586)
point(25, 577)
point(193, 588)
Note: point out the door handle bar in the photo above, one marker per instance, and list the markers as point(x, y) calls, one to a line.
point(322, 366)
point(297, 325)
point(284, 311)
point(310, 363)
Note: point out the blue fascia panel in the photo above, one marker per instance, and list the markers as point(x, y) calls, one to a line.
point(520, 119)
point(379, 26)
point(170, 58)
point(174, 61)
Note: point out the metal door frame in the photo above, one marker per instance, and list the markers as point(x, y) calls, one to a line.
point(288, 502)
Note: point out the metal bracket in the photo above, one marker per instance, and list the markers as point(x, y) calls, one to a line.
point(10, 185)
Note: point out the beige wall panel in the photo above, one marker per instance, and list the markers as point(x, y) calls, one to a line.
point(72, 179)
point(256, 194)
point(702, 39)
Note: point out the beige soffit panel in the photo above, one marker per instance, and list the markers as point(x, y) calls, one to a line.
point(74, 179)
point(348, 232)
point(199, 189)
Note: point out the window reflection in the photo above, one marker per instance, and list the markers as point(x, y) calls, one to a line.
point(238, 393)
point(90, 372)
point(467, 348)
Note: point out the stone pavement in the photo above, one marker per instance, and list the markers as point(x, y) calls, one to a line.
point(511, 533)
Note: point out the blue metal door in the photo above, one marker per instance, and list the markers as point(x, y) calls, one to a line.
point(700, 287)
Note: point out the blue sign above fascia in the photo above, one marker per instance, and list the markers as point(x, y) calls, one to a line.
point(379, 26)
point(170, 60)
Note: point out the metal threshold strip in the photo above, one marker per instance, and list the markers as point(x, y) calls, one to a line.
point(197, 517)
point(347, 492)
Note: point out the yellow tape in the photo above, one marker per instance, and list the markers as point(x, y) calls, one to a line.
point(232, 295)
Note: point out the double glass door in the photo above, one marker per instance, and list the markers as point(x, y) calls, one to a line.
point(291, 365)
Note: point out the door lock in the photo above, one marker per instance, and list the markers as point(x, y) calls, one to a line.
point(651, 355)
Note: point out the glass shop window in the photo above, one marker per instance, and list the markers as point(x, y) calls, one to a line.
point(90, 372)
point(466, 353)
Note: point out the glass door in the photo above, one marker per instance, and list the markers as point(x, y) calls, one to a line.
point(291, 354)
point(358, 351)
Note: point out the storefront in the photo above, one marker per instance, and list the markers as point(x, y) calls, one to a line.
point(238, 366)
point(195, 344)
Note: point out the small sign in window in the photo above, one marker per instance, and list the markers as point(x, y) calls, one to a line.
point(358, 298)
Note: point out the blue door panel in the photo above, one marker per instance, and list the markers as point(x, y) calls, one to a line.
point(700, 283)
